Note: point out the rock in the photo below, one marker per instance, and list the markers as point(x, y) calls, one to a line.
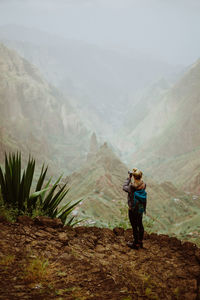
point(146, 236)
point(100, 248)
point(174, 242)
point(55, 244)
point(188, 248)
point(63, 238)
point(71, 233)
point(48, 222)
point(197, 254)
point(41, 234)
point(25, 220)
point(188, 245)
point(191, 285)
point(154, 236)
point(81, 229)
point(164, 239)
point(107, 235)
point(3, 219)
point(104, 262)
point(50, 230)
point(190, 296)
point(115, 246)
point(128, 234)
point(17, 250)
point(65, 257)
point(89, 243)
point(118, 231)
point(88, 240)
point(19, 287)
point(194, 270)
point(99, 256)
point(49, 254)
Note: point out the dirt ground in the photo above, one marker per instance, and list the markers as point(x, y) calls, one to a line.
point(40, 259)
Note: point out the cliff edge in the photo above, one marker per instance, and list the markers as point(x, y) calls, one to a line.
point(41, 259)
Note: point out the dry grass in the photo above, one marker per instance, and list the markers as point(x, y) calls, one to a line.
point(36, 270)
point(7, 260)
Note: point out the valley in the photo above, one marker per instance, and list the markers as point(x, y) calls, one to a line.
point(102, 84)
point(93, 129)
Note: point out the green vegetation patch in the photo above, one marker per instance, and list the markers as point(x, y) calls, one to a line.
point(18, 198)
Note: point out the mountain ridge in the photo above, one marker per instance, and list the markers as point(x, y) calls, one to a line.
point(35, 116)
point(104, 203)
point(175, 142)
point(89, 75)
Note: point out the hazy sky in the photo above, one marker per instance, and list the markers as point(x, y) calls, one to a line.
point(167, 29)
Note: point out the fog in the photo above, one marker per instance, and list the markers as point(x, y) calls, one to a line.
point(112, 60)
point(168, 30)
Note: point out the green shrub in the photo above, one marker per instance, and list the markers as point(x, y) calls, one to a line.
point(36, 270)
point(149, 224)
point(45, 200)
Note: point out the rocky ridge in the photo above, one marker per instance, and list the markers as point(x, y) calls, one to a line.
point(93, 263)
point(104, 204)
point(168, 136)
point(36, 118)
point(98, 80)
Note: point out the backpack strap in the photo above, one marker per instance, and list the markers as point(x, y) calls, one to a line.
point(140, 185)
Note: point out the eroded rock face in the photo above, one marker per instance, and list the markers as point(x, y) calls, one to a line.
point(24, 97)
point(95, 263)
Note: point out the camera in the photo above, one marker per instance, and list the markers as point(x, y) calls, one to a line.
point(130, 173)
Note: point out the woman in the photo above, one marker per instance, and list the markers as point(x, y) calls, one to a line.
point(135, 187)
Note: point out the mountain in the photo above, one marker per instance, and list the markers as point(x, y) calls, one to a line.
point(99, 184)
point(131, 135)
point(169, 134)
point(101, 82)
point(35, 118)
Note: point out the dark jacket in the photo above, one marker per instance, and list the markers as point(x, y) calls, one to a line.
point(130, 189)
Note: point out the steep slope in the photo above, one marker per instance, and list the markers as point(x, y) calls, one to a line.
point(101, 78)
point(131, 135)
point(34, 116)
point(44, 261)
point(171, 136)
point(99, 184)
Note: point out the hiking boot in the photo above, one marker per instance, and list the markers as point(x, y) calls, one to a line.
point(141, 244)
point(133, 245)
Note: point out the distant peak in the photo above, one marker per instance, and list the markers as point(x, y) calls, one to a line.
point(104, 146)
point(94, 147)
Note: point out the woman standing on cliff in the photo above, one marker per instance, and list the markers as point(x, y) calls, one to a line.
point(135, 187)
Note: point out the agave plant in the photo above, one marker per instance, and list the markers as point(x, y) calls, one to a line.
point(50, 202)
point(16, 190)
